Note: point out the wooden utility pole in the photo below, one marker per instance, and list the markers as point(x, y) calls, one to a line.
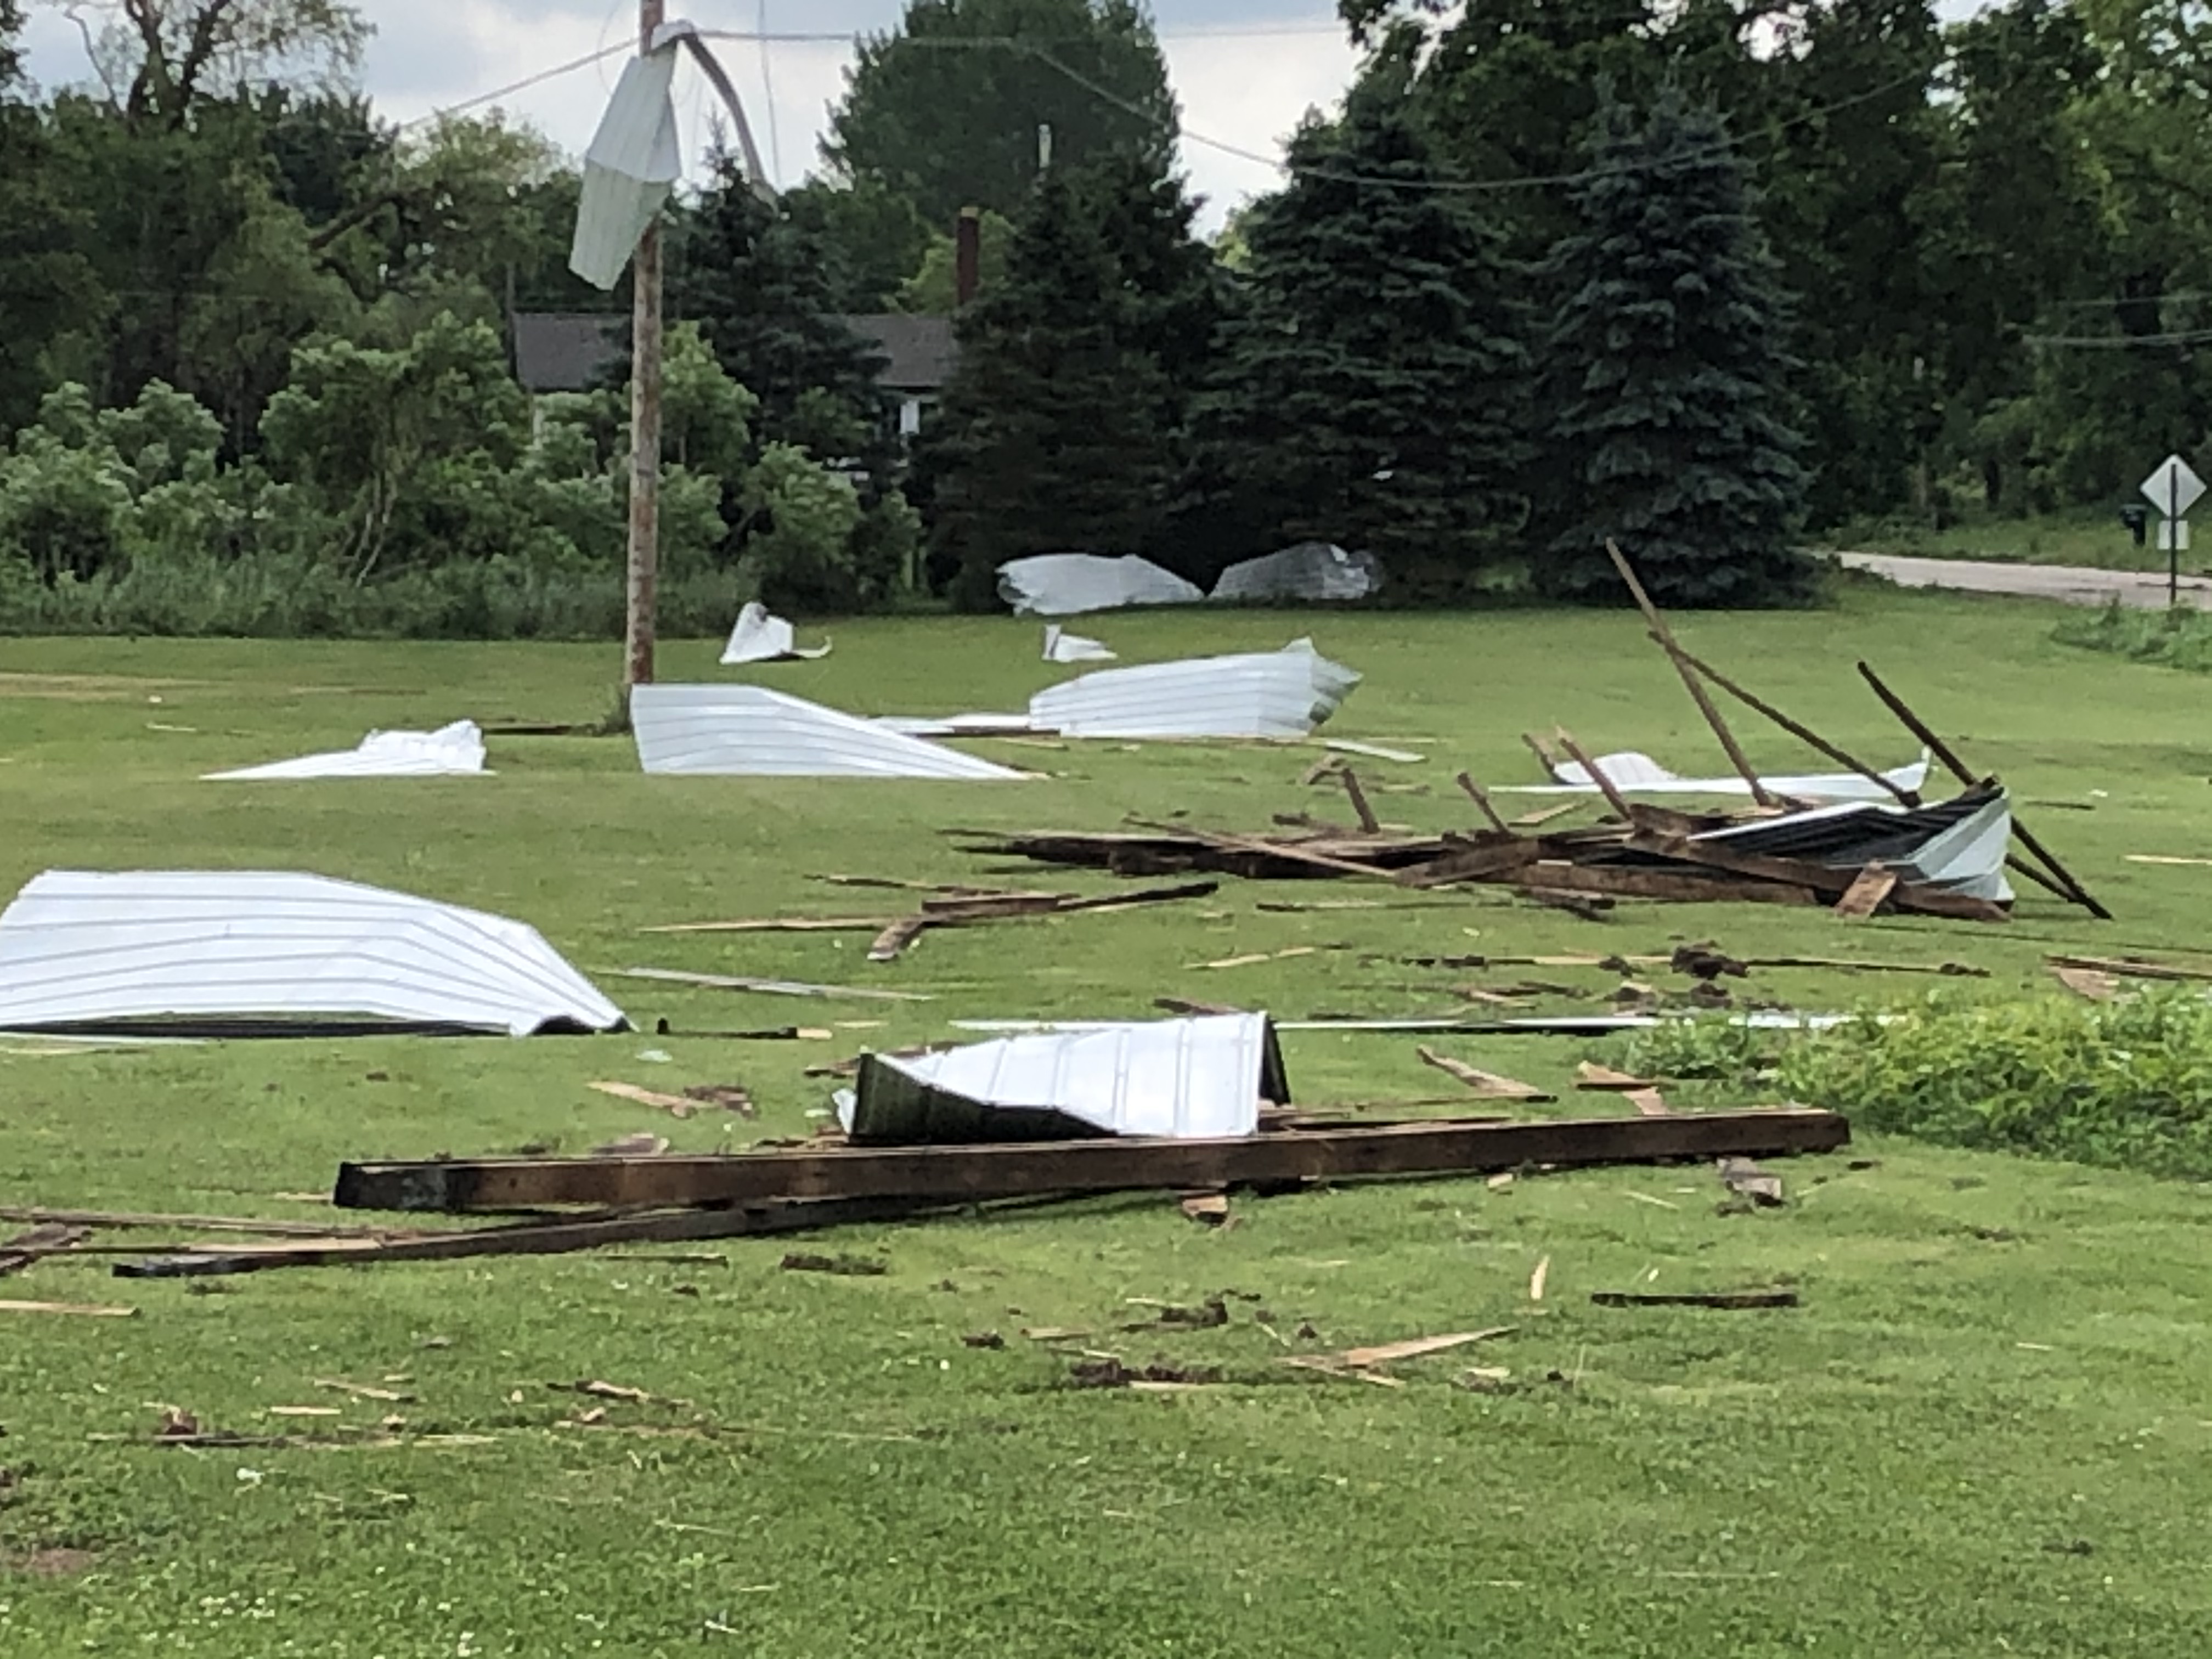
point(644, 427)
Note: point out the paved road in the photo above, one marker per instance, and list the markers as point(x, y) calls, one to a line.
point(2067, 584)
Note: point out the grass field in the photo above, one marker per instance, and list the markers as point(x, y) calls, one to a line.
point(1984, 1432)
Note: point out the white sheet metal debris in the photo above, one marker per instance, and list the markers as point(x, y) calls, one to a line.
point(1636, 774)
point(1060, 645)
point(1267, 693)
point(633, 161)
point(748, 731)
point(1194, 1078)
point(1310, 570)
point(760, 637)
point(457, 750)
point(957, 725)
point(1958, 846)
point(1067, 584)
point(228, 950)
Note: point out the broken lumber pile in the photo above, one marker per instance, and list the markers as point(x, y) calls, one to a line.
point(1645, 852)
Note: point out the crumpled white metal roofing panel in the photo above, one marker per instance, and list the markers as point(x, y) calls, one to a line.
point(450, 750)
point(1186, 1079)
point(1060, 645)
point(1310, 570)
point(633, 161)
point(1267, 694)
point(749, 731)
point(78, 947)
point(1636, 774)
point(760, 637)
point(1065, 584)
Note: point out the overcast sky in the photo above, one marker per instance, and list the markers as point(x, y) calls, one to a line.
point(1244, 70)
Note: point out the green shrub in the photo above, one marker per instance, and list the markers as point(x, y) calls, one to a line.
point(2126, 1083)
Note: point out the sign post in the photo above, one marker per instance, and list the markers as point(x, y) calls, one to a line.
point(2173, 488)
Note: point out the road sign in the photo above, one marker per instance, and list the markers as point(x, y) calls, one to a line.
point(2173, 535)
point(2174, 488)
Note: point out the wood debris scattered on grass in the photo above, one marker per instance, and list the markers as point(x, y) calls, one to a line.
point(1648, 1103)
point(361, 1390)
point(88, 1310)
point(35, 1243)
point(1414, 1347)
point(2132, 968)
point(783, 987)
point(1211, 1209)
point(2152, 858)
point(1108, 1372)
point(1695, 1299)
point(846, 1267)
point(1537, 1278)
point(1487, 1084)
point(1591, 1075)
point(2093, 983)
point(1750, 1183)
point(730, 1097)
point(674, 1105)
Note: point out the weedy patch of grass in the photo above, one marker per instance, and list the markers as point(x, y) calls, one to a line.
point(2125, 1085)
point(1981, 1433)
point(2171, 639)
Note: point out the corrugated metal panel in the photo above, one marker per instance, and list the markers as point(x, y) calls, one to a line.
point(1636, 774)
point(1060, 645)
point(452, 750)
point(1065, 584)
point(1310, 570)
point(1270, 693)
point(1958, 845)
point(633, 161)
point(80, 949)
point(760, 637)
point(1185, 1078)
point(748, 731)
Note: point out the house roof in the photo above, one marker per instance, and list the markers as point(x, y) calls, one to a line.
point(920, 350)
point(571, 350)
point(565, 351)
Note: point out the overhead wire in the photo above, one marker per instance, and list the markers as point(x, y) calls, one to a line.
point(1033, 49)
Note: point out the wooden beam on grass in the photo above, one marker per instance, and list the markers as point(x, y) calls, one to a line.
point(529, 1238)
point(1665, 635)
point(1942, 751)
point(969, 1174)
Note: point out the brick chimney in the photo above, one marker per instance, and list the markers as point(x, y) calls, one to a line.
point(967, 256)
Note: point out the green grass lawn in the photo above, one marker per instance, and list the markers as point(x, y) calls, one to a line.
point(1985, 1431)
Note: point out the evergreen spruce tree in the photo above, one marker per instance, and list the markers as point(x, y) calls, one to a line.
point(1667, 376)
point(1372, 389)
point(763, 287)
point(1062, 429)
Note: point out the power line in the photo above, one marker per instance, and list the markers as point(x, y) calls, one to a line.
point(2119, 342)
point(523, 85)
point(768, 92)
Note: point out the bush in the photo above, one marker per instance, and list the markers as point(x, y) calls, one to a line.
point(2126, 1084)
point(2172, 639)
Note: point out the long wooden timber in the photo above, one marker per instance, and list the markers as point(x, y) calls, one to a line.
point(527, 1238)
point(963, 1173)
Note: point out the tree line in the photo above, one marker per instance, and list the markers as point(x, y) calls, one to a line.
point(1701, 275)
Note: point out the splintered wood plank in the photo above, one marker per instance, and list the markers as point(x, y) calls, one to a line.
point(1488, 1085)
point(1867, 894)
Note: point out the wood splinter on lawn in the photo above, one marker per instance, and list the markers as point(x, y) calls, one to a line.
point(1686, 1299)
